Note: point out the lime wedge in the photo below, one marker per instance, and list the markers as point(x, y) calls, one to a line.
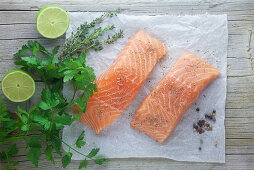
point(52, 21)
point(18, 86)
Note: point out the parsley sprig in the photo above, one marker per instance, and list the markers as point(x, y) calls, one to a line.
point(41, 125)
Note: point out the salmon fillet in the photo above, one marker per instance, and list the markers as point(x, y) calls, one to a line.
point(119, 84)
point(161, 110)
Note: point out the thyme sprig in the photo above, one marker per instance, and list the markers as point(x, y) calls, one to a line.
point(82, 40)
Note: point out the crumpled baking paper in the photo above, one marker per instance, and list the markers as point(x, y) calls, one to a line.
point(204, 35)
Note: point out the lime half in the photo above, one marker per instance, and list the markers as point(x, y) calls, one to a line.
point(52, 21)
point(18, 86)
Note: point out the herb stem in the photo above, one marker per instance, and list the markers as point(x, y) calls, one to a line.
point(70, 147)
point(14, 138)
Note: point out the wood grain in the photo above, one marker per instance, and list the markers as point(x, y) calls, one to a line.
point(17, 25)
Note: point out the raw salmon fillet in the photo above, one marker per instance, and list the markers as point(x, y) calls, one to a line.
point(161, 110)
point(120, 83)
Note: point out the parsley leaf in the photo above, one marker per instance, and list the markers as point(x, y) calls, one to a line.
point(11, 151)
point(34, 142)
point(2, 107)
point(66, 160)
point(93, 152)
point(7, 167)
point(49, 99)
point(43, 120)
point(81, 102)
point(55, 50)
point(100, 160)
point(23, 50)
point(49, 155)
point(83, 164)
point(34, 155)
point(54, 138)
point(61, 120)
point(79, 142)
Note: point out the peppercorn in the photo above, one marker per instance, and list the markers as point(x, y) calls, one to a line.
point(200, 130)
point(199, 148)
point(210, 128)
point(214, 111)
point(201, 123)
point(201, 141)
point(197, 109)
point(195, 126)
point(214, 119)
point(207, 116)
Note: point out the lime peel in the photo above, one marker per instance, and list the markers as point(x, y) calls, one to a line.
point(18, 86)
point(52, 21)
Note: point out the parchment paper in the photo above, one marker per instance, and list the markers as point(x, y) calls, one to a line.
point(204, 35)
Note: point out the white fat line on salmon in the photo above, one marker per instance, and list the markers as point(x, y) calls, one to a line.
point(186, 73)
point(194, 90)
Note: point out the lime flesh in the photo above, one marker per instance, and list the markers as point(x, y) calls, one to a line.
point(52, 21)
point(18, 86)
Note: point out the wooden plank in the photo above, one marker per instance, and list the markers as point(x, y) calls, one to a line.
point(234, 162)
point(29, 31)
point(235, 52)
point(234, 147)
point(28, 17)
point(134, 5)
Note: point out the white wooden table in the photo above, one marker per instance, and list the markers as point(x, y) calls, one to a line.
point(17, 25)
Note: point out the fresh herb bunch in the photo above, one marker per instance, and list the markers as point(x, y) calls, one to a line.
point(43, 123)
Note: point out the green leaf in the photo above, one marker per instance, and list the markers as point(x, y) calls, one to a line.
point(24, 119)
point(2, 107)
point(34, 142)
point(25, 127)
point(44, 106)
point(49, 99)
point(55, 60)
point(61, 120)
point(55, 50)
point(41, 119)
point(7, 154)
point(49, 154)
point(54, 137)
point(7, 167)
point(79, 142)
point(82, 103)
point(3, 135)
point(77, 116)
point(30, 60)
point(23, 50)
point(10, 124)
point(83, 164)
point(69, 74)
point(93, 152)
point(21, 110)
point(31, 43)
point(4, 119)
point(66, 160)
point(35, 49)
point(100, 160)
point(34, 155)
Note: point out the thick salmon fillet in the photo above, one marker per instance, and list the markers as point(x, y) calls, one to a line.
point(161, 110)
point(120, 83)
